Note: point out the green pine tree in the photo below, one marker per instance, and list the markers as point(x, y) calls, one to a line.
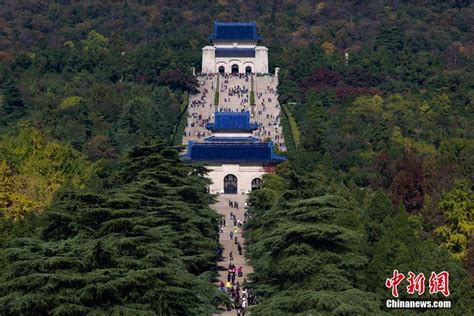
point(139, 248)
point(13, 105)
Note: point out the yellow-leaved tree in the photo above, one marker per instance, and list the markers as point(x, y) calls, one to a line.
point(5, 184)
point(458, 210)
point(18, 194)
point(32, 169)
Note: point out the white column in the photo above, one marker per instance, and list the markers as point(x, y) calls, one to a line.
point(208, 60)
point(261, 59)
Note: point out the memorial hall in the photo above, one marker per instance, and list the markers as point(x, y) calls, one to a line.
point(233, 122)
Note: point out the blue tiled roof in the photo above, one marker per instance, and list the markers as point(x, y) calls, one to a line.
point(232, 153)
point(231, 122)
point(249, 139)
point(235, 52)
point(235, 31)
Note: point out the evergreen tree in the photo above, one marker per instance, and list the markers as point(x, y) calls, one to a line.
point(129, 124)
point(378, 210)
point(306, 252)
point(137, 249)
point(315, 128)
point(13, 105)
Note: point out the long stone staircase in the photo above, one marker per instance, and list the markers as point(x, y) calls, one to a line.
point(235, 96)
point(234, 93)
point(223, 208)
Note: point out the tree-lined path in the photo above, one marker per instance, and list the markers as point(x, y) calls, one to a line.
point(223, 208)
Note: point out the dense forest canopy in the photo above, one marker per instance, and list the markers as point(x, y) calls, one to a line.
point(378, 100)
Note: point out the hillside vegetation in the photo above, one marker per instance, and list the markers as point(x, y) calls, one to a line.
point(380, 102)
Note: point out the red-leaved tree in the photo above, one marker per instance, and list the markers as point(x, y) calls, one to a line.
point(408, 181)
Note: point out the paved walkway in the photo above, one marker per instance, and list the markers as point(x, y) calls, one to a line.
point(222, 207)
point(267, 110)
point(200, 110)
point(234, 96)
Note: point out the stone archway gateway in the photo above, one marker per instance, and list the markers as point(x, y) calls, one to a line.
point(230, 184)
point(221, 70)
point(248, 70)
point(235, 69)
point(257, 183)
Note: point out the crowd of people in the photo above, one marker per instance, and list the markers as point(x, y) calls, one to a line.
point(240, 92)
point(235, 95)
point(234, 282)
point(201, 101)
point(234, 89)
point(235, 75)
point(268, 117)
point(197, 120)
point(241, 296)
point(200, 110)
point(224, 109)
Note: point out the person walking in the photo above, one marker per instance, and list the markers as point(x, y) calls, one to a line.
point(244, 303)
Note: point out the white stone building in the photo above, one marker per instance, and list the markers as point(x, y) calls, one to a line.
point(236, 159)
point(234, 49)
point(219, 132)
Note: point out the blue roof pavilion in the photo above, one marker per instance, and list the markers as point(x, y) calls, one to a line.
point(232, 122)
point(233, 152)
point(235, 31)
point(238, 146)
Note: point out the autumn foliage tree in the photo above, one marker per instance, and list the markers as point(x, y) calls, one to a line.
point(458, 211)
point(407, 187)
point(32, 169)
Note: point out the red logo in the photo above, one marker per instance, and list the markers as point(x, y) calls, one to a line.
point(394, 282)
point(416, 284)
point(438, 283)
